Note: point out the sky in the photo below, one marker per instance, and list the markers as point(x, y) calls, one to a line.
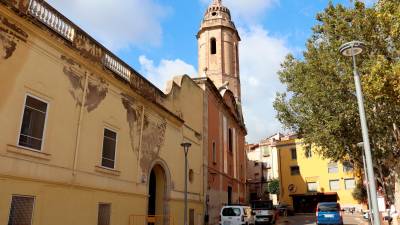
point(157, 38)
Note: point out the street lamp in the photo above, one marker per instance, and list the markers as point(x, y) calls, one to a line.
point(351, 49)
point(360, 145)
point(186, 146)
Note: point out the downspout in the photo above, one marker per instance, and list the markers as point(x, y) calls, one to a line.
point(78, 133)
point(140, 140)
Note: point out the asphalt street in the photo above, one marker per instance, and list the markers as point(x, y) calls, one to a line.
point(309, 219)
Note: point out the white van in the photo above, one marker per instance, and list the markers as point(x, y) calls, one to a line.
point(236, 215)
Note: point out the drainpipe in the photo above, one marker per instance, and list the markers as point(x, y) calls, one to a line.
point(140, 140)
point(78, 133)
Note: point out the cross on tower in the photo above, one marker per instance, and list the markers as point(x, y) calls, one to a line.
point(217, 2)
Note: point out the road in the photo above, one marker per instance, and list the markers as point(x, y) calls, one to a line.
point(309, 219)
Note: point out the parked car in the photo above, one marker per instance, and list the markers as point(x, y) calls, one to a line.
point(236, 215)
point(329, 213)
point(264, 212)
point(285, 210)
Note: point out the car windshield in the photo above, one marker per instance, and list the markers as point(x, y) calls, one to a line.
point(328, 207)
point(262, 205)
point(231, 212)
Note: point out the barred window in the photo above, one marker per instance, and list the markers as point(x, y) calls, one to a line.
point(21, 210)
point(109, 145)
point(312, 186)
point(334, 185)
point(349, 184)
point(104, 214)
point(33, 123)
point(293, 153)
point(347, 167)
point(333, 167)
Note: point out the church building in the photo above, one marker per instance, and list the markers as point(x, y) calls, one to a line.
point(224, 150)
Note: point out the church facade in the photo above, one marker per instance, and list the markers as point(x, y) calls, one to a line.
point(225, 167)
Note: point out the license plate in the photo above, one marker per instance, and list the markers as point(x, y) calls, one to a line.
point(227, 222)
point(329, 216)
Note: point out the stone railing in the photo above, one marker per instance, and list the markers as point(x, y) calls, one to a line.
point(51, 19)
point(117, 67)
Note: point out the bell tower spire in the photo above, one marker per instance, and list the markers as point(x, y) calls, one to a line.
point(218, 48)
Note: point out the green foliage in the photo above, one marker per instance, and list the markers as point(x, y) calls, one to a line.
point(273, 186)
point(320, 104)
point(360, 193)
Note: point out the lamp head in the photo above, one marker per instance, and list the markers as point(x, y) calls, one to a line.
point(186, 146)
point(352, 48)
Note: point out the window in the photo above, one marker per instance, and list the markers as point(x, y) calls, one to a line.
point(231, 212)
point(349, 183)
point(308, 152)
point(191, 216)
point(230, 140)
point(33, 123)
point(104, 214)
point(312, 186)
point(294, 170)
point(333, 167)
point(214, 153)
point(109, 145)
point(347, 167)
point(213, 46)
point(334, 185)
point(21, 210)
point(294, 153)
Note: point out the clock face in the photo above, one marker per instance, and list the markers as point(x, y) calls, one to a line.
point(292, 188)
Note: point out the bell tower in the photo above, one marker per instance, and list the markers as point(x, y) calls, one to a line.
point(218, 48)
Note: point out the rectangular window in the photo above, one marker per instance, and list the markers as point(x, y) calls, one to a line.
point(191, 216)
point(33, 123)
point(333, 167)
point(312, 186)
point(21, 210)
point(294, 153)
point(230, 140)
point(294, 170)
point(214, 153)
point(347, 167)
point(104, 214)
point(349, 184)
point(109, 145)
point(308, 152)
point(334, 185)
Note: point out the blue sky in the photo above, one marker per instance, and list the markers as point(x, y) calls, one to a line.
point(157, 38)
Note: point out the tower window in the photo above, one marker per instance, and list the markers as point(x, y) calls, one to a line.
point(213, 46)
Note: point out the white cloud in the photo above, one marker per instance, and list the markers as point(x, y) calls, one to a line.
point(260, 59)
point(247, 10)
point(166, 70)
point(117, 24)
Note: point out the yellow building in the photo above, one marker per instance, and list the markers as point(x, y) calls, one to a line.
point(306, 178)
point(84, 138)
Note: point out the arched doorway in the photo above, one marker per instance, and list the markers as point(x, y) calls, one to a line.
point(157, 204)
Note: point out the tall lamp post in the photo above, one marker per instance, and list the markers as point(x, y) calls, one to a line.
point(351, 49)
point(186, 146)
point(360, 145)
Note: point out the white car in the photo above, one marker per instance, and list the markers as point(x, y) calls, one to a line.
point(236, 215)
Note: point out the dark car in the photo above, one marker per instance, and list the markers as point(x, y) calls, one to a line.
point(329, 213)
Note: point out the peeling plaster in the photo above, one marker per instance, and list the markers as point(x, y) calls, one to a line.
point(10, 35)
point(96, 93)
point(132, 116)
point(152, 141)
point(72, 71)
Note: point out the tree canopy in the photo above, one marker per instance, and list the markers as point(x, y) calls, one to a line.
point(320, 103)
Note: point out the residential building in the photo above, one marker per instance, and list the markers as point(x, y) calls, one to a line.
point(262, 167)
point(224, 128)
point(84, 138)
point(306, 178)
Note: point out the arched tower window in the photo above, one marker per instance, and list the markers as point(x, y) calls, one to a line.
point(213, 46)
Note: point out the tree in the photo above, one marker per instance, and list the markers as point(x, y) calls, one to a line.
point(273, 187)
point(320, 104)
point(360, 193)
